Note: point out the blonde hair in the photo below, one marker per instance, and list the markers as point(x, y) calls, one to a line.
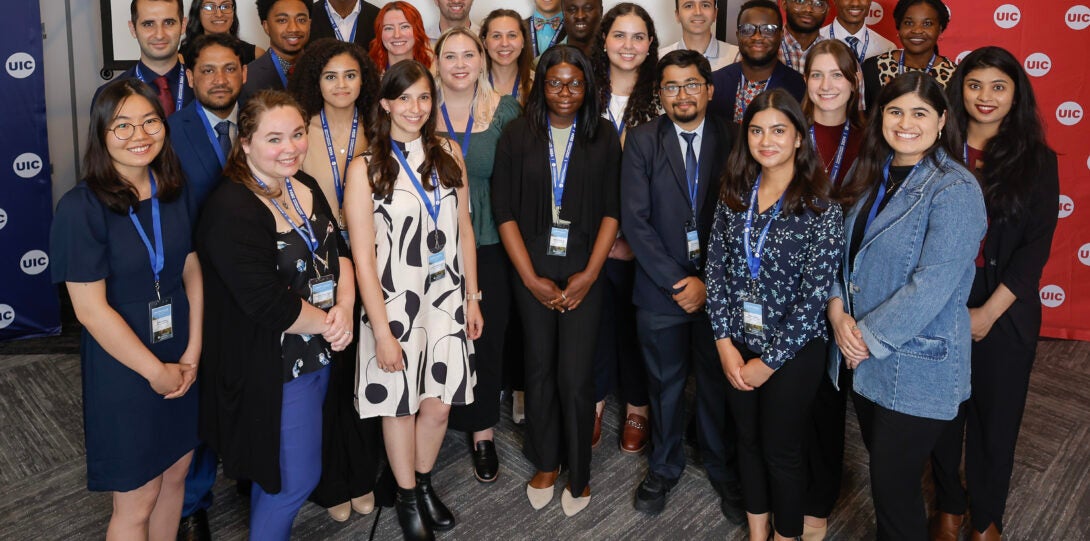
point(483, 108)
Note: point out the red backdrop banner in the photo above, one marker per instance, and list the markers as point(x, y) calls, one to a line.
point(1052, 39)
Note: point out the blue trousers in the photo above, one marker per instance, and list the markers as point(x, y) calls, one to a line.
point(199, 480)
point(271, 515)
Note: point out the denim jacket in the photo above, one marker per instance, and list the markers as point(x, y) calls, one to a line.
point(908, 287)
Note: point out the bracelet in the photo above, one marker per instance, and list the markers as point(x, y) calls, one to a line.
point(478, 296)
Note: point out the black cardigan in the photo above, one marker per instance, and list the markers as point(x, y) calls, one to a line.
point(246, 308)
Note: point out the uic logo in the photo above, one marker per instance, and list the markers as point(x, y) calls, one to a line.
point(7, 315)
point(1038, 64)
point(1069, 113)
point(875, 14)
point(1078, 17)
point(961, 56)
point(27, 165)
point(34, 262)
point(1067, 206)
point(1052, 295)
point(20, 65)
point(3, 218)
point(1007, 16)
point(1084, 254)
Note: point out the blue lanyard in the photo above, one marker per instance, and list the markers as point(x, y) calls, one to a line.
point(279, 67)
point(753, 257)
point(157, 253)
point(965, 154)
point(514, 89)
point(309, 238)
point(866, 43)
point(839, 156)
point(552, 41)
point(469, 126)
point(337, 184)
point(211, 135)
point(882, 188)
point(901, 63)
point(560, 176)
point(337, 29)
point(179, 93)
point(433, 209)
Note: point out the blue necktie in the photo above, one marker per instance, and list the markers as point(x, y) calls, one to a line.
point(853, 42)
point(223, 136)
point(690, 159)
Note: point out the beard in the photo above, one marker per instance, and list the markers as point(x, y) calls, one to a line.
point(761, 61)
point(797, 28)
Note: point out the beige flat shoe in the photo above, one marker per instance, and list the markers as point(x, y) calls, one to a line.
point(365, 504)
point(341, 511)
point(572, 505)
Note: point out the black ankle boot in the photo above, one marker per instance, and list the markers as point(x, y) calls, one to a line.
point(441, 517)
point(414, 525)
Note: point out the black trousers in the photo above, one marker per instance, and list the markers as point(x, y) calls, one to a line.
point(899, 446)
point(771, 423)
point(618, 364)
point(990, 421)
point(559, 357)
point(825, 444)
point(672, 346)
point(493, 274)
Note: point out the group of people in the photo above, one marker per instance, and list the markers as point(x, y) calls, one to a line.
point(807, 216)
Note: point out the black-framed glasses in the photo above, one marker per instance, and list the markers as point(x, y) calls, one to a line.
point(226, 7)
point(749, 29)
point(126, 130)
point(816, 4)
point(691, 89)
point(575, 87)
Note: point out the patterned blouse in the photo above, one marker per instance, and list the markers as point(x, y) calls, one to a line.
point(801, 256)
point(878, 71)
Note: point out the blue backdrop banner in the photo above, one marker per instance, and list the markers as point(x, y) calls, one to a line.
point(28, 301)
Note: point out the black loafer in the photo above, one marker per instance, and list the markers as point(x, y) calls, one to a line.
point(194, 527)
point(651, 494)
point(486, 465)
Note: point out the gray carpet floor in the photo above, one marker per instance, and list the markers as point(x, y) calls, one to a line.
point(43, 482)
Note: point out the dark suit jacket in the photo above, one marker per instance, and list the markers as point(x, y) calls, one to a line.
point(321, 27)
point(726, 81)
point(194, 149)
point(172, 78)
point(261, 74)
point(655, 205)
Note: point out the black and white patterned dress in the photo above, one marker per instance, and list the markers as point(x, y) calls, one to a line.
point(427, 317)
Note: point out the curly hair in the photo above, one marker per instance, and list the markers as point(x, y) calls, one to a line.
point(304, 82)
point(643, 104)
point(249, 118)
point(526, 55)
point(383, 167)
point(421, 45)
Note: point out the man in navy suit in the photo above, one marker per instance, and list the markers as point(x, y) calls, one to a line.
point(287, 23)
point(157, 26)
point(346, 20)
point(669, 188)
point(760, 31)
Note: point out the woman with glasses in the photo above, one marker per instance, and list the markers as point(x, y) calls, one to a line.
point(555, 197)
point(121, 244)
point(217, 17)
point(509, 57)
point(920, 24)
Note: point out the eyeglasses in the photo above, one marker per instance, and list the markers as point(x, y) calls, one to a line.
point(767, 30)
point(228, 7)
point(126, 130)
point(816, 4)
point(691, 89)
point(575, 87)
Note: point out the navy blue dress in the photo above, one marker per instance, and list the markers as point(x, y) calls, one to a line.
point(132, 433)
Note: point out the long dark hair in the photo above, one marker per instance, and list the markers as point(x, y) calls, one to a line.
point(1018, 152)
point(249, 118)
point(810, 185)
point(526, 56)
point(99, 172)
point(194, 28)
point(384, 167)
point(874, 149)
point(537, 110)
point(848, 65)
point(304, 82)
point(643, 105)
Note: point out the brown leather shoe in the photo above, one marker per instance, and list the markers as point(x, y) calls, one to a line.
point(634, 437)
point(596, 439)
point(945, 526)
point(991, 534)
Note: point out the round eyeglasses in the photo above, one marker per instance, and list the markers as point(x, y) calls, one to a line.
point(226, 7)
point(575, 87)
point(126, 130)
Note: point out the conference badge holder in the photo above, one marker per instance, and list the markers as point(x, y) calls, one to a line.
point(558, 240)
point(322, 291)
point(753, 315)
point(162, 320)
point(692, 241)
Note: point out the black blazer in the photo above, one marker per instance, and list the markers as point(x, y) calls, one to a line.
point(1015, 253)
point(198, 157)
point(655, 206)
point(321, 27)
point(172, 79)
point(726, 81)
point(261, 75)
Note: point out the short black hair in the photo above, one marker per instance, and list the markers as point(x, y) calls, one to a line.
point(939, 7)
point(683, 58)
point(132, 9)
point(263, 7)
point(755, 4)
point(193, 49)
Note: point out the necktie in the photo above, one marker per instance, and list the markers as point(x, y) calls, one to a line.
point(554, 22)
point(165, 99)
point(690, 159)
point(223, 136)
point(853, 42)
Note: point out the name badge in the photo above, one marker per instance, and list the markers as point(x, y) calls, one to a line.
point(558, 240)
point(321, 291)
point(162, 320)
point(752, 319)
point(437, 267)
point(692, 242)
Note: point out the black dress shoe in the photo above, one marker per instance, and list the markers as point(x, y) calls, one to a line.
point(194, 527)
point(440, 517)
point(486, 465)
point(651, 494)
point(414, 525)
point(730, 501)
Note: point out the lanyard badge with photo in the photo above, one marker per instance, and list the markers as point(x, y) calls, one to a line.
point(752, 306)
point(160, 311)
point(558, 234)
point(692, 238)
point(436, 239)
